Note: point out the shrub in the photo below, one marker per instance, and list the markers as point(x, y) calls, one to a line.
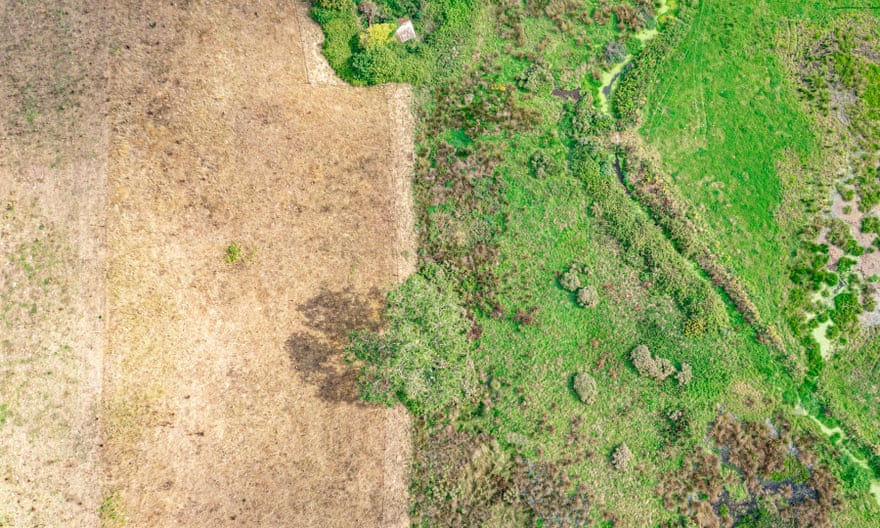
point(341, 29)
point(843, 265)
point(585, 387)
point(642, 360)
point(376, 65)
point(536, 79)
point(684, 375)
point(652, 367)
point(422, 359)
point(871, 224)
point(621, 457)
point(588, 120)
point(587, 297)
point(542, 164)
point(233, 253)
point(846, 311)
point(377, 35)
point(614, 52)
point(571, 279)
point(333, 5)
point(663, 369)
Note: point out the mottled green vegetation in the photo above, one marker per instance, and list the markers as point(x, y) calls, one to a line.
point(423, 357)
point(525, 204)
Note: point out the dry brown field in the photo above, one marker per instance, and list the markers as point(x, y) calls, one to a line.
point(146, 380)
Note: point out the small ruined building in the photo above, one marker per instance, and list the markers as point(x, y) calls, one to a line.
point(406, 31)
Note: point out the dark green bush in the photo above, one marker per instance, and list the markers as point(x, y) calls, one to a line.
point(843, 265)
point(341, 29)
point(377, 65)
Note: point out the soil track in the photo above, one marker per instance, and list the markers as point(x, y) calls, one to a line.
point(224, 399)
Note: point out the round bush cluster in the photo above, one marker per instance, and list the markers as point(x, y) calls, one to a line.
point(657, 367)
point(536, 79)
point(585, 387)
point(621, 457)
point(587, 297)
point(542, 165)
point(571, 279)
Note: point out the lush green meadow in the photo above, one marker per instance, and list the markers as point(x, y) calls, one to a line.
point(724, 117)
point(539, 262)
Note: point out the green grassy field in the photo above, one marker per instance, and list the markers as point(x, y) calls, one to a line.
point(514, 186)
point(724, 116)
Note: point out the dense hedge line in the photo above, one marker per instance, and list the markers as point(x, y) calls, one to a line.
point(635, 230)
point(630, 94)
point(654, 190)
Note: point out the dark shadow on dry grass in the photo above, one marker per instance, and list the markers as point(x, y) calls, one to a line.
point(317, 353)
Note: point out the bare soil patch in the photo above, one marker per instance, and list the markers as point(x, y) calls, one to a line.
point(227, 400)
point(139, 141)
point(53, 66)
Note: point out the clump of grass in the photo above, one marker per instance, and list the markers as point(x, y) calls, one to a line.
point(111, 511)
point(234, 253)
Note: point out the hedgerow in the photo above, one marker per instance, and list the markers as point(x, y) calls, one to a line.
point(627, 222)
point(630, 94)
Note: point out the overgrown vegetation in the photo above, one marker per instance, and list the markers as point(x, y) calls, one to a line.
point(567, 270)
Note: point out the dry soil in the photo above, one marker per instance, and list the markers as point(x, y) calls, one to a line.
point(155, 383)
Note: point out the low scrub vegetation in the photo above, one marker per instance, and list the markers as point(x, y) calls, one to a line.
point(561, 259)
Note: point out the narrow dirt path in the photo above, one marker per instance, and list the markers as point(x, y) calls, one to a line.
point(228, 404)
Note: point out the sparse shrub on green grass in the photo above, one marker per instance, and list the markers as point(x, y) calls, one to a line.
point(585, 387)
point(621, 457)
